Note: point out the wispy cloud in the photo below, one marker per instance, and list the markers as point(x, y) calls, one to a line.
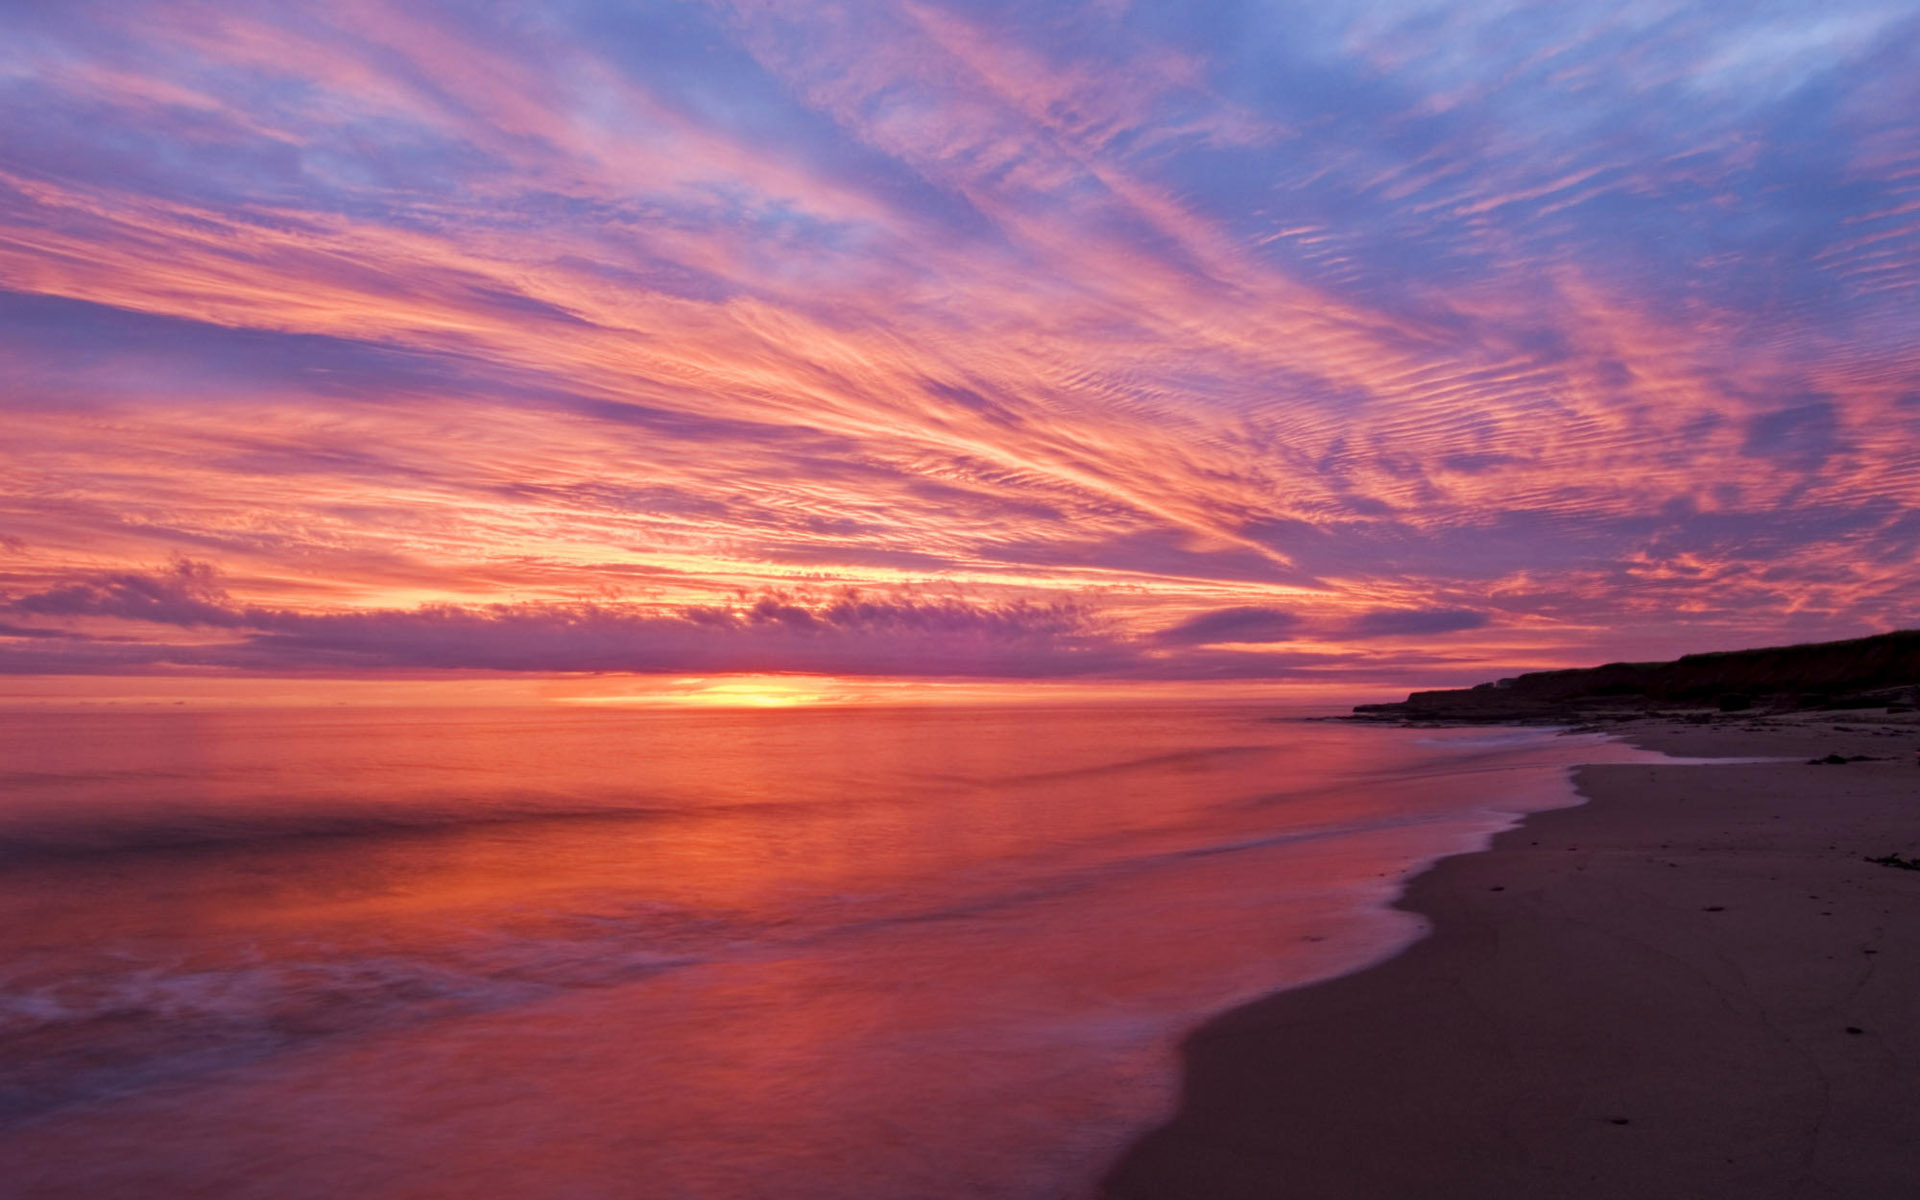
point(1594, 323)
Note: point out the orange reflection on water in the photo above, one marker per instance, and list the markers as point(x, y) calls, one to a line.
point(904, 952)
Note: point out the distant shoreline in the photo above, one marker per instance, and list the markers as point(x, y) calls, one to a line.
point(1695, 984)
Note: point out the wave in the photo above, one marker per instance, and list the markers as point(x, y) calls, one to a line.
point(126, 1026)
point(25, 779)
point(1174, 758)
point(38, 838)
point(1073, 881)
point(85, 1024)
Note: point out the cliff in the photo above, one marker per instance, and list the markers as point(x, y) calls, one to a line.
point(1861, 672)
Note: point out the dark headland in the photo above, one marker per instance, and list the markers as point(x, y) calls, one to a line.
point(1704, 983)
point(1862, 673)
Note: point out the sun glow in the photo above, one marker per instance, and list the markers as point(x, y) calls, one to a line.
point(748, 691)
point(753, 694)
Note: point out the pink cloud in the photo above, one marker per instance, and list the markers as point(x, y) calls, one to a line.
point(433, 323)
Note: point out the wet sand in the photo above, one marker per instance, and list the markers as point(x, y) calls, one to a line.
point(1692, 986)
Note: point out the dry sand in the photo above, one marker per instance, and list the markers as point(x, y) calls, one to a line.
point(1692, 986)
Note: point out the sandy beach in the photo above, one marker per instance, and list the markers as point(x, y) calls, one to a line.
point(1694, 985)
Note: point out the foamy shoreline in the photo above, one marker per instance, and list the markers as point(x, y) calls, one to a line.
point(1693, 985)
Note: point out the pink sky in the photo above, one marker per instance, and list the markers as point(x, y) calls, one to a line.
point(1087, 346)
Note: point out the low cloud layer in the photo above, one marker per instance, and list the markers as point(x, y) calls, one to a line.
point(183, 615)
point(844, 634)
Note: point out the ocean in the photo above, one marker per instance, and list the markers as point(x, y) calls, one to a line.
point(718, 953)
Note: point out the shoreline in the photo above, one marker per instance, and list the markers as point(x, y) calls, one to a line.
point(1691, 984)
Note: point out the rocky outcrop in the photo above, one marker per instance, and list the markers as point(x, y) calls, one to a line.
point(1872, 671)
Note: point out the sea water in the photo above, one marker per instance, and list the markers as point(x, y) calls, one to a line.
point(821, 953)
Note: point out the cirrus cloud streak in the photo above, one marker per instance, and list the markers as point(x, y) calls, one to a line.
point(520, 335)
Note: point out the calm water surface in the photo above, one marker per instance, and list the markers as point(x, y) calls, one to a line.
point(822, 953)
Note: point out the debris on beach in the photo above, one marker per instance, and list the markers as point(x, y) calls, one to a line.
point(1894, 860)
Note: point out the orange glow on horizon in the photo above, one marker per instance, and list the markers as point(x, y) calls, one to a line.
point(640, 692)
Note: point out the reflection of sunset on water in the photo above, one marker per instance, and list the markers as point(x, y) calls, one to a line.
point(852, 949)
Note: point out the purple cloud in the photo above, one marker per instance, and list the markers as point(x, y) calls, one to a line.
point(845, 633)
point(1801, 435)
point(8, 630)
point(186, 594)
point(1415, 622)
point(1241, 624)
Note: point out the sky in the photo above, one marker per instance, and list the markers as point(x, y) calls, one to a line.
point(962, 345)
